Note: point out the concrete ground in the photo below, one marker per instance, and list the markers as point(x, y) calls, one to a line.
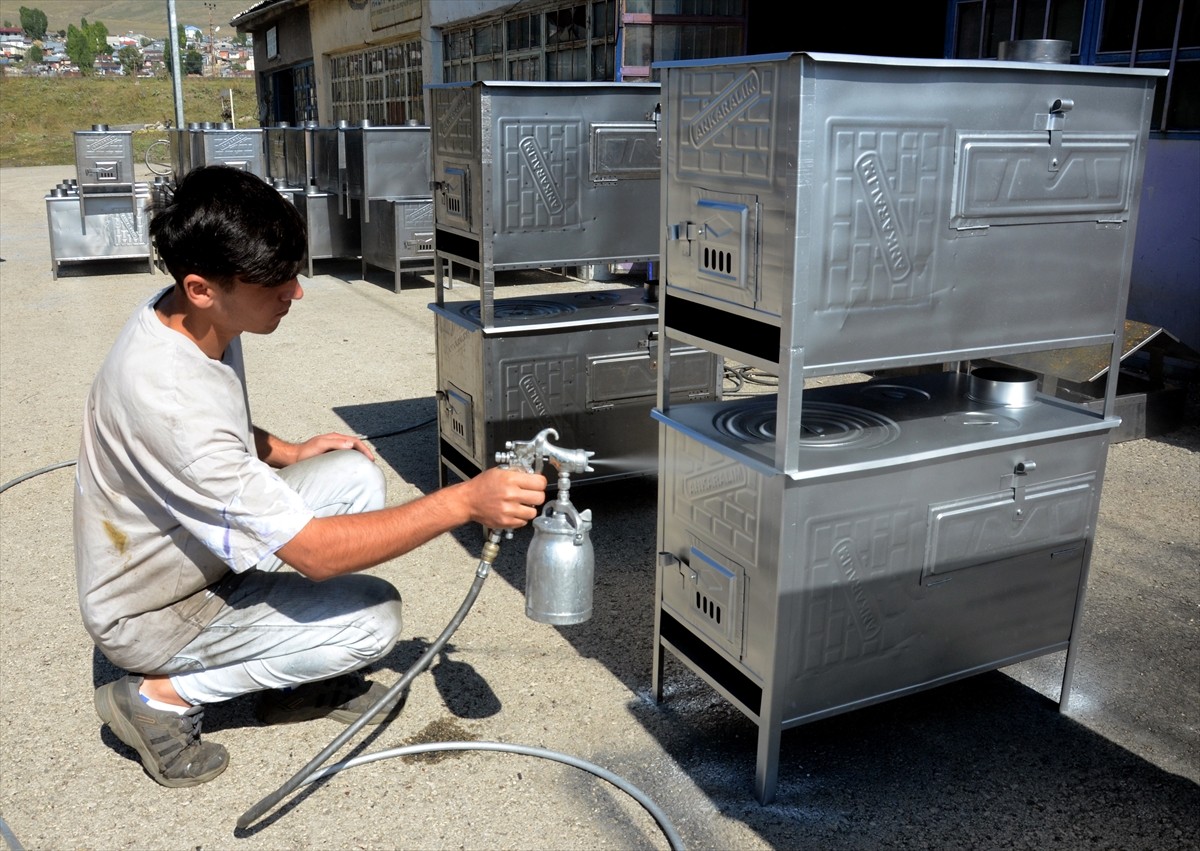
point(988, 762)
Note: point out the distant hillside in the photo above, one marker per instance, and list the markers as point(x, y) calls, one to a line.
point(38, 115)
point(147, 17)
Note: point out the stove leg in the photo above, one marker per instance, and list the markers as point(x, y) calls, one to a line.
point(767, 772)
point(1064, 695)
point(656, 670)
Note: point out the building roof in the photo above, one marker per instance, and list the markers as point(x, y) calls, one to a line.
point(264, 11)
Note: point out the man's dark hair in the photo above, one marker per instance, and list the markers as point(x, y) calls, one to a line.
point(226, 224)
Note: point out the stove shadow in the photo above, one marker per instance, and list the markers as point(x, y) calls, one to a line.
point(403, 434)
point(104, 267)
point(984, 762)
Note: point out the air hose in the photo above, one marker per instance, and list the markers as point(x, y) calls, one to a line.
point(313, 771)
point(71, 462)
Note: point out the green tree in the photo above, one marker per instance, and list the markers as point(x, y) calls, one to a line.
point(98, 34)
point(131, 60)
point(193, 62)
point(85, 42)
point(34, 23)
point(79, 50)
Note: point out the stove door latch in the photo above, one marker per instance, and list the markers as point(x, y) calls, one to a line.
point(685, 232)
point(650, 344)
point(1020, 470)
point(669, 560)
point(1053, 123)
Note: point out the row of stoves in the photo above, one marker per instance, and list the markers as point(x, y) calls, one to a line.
point(363, 190)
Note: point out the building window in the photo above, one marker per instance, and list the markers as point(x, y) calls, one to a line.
point(663, 30)
point(1122, 33)
point(382, 85)
point(304, 92)
point(562, 42)
point(405, 83)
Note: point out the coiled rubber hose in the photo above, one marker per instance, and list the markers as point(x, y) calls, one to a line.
point(313, 771)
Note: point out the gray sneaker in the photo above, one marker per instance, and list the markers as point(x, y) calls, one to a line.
point(344, 699)
point(169, 744)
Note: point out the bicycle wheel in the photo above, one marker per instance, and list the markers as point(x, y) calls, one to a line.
point(158, 157)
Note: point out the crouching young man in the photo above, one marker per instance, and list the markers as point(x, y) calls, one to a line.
point(214, 559)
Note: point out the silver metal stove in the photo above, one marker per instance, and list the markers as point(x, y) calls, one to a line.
point(831, 547)
point(542, 176)
point(583, 363)
point(547, 176)
point(388, 177)
point(100, 226)
point(922, 537)
point(314, 163)
point(100, 214)
point(223, 144)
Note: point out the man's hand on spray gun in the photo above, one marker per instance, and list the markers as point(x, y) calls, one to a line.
point(505, 497)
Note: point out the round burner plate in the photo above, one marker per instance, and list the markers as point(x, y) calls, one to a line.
point(521, 308)
point(823, 425)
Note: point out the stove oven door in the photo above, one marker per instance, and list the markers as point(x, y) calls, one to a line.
point(713, 249)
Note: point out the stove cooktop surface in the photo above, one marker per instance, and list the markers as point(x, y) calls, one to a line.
point(555, 310)
point(878, 422)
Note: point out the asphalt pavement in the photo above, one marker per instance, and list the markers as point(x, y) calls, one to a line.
point(987, 762)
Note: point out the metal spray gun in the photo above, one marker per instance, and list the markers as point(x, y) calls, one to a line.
point(560, 564)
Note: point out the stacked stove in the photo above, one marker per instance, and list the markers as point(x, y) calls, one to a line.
point(535, 176)
point(843, 542)
point(543, 176)
point(387, 178)
point(100, 214)
point(306, 163)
